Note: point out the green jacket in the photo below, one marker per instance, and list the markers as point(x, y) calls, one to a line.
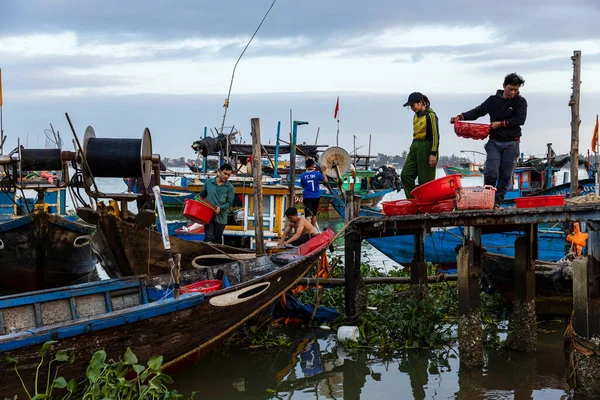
point(425, 127)
point(220, 196)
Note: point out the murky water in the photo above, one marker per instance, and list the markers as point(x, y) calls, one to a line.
point(317, 366)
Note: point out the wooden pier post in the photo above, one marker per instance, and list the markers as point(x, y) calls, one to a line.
point(470, 332)
point(418, 268)
point(584, 342)
point(523, 323)
point(258, 197)
point(355, 289)
point(575, 121)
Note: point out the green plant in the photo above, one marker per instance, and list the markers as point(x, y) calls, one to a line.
point(58, 382)
point(123, 379)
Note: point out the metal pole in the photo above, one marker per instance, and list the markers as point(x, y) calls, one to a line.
point(367, 166)
point(549, 167)
point(204, 161)
point(276, 172)
point(292, 175)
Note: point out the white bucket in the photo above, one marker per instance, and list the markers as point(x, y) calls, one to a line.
point(346, 333)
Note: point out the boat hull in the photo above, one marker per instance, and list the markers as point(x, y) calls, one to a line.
point(181, 330)
point(461, 171)
point(41, 251)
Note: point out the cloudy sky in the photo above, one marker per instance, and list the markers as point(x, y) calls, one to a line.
point(121, 66)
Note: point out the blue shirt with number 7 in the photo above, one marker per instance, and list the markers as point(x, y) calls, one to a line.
point(310, 184)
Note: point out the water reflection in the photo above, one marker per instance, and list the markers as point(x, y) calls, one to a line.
point(317, 366)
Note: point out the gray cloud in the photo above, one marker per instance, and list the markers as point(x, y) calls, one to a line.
point(534, 20)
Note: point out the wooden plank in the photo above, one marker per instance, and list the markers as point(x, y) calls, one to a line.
point(71, 291)
point(469, 273)
point(524, 270)
point(418, 267)
point(586, 291)
point(39, 318)
point(352, 244)
point(507, 219)
point(258, 195)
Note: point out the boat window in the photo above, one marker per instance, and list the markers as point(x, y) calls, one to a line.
point(525, 181)
point(515, 182)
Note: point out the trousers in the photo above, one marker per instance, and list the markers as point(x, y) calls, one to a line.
point(500, 165)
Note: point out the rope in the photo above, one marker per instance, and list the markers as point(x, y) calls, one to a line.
point(576, 344)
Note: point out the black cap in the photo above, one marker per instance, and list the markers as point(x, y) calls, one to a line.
point(414, 97)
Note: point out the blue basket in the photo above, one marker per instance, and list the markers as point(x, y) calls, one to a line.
point(155, 294)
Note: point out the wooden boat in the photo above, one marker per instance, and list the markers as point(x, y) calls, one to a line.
point(553, 282)
point(133, 247)
point(112, 315)
point(44, 250)
point(465, 169)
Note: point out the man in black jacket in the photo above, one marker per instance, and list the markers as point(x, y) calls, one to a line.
point(507, 110)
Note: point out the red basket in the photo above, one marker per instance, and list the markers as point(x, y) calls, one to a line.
point(399, 207)
point(475, 198)
point(540, 201)
point(437, 189)
point(207, 286)
point(200, 211)
point(438, 207)
point(471, 130)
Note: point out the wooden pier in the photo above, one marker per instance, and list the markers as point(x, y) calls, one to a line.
point(586, 275)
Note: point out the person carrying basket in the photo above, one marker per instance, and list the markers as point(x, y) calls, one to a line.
point(508, 111)
point(219, 192)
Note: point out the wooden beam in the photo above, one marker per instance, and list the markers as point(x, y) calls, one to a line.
point(575, 122)
point(418, 266)
point(586, 289)
point(258, 196)
point(469, 273)
point(381, 280)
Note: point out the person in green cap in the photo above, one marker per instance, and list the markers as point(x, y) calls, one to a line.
point(422, 157)
point(219, 192)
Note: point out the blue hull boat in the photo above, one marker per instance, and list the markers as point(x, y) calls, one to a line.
point(112, 315)
point(441, 245)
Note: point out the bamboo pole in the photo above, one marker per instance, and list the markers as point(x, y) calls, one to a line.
point(384, 280)
point(575, 122)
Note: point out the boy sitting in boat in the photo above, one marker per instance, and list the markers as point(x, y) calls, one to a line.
point(302, 229)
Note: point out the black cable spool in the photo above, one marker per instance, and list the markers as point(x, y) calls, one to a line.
point(40, 160)
point(117, 158)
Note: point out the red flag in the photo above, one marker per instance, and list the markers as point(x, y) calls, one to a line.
point(337, 107)
point(595, 137)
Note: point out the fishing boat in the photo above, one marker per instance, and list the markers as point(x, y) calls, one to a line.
point(43, 250)
point(465, 169)
point(133, 246)
point(112, 315)
point(40, 247)
point(468, 168)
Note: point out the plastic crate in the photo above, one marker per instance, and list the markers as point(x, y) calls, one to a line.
point(540, 201)
point(475, 198)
